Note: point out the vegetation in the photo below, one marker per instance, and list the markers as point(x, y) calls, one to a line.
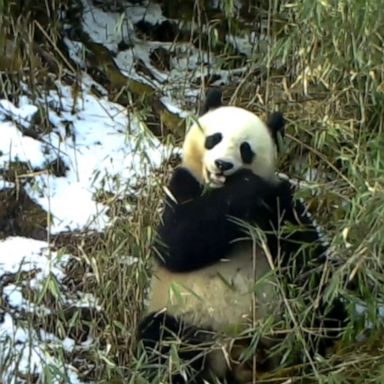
point(321, 63)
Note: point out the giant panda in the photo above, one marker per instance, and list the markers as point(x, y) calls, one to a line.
point(222, 246)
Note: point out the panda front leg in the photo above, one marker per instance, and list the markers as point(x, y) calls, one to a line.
point(197, 227)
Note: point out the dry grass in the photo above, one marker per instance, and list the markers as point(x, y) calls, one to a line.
point(322, 64)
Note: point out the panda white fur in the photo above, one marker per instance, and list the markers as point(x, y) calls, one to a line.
point(210, 280)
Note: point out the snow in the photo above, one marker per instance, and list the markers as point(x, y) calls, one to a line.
point(102, 26)
point(14, 146)
point(104, 149)
point(111, 28)
point(24, 353)
point(23, 350)
point(188, 64)
point(22, 115)
point(20, 254)
point(104, 144)
point(150, 12)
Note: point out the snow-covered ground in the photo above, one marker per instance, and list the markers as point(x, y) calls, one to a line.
point(102, 149)
point(102, 143)
point(23, 349)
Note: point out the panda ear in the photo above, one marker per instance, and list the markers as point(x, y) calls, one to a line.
point(184, 186)
point(213, 100)
point(276, 124)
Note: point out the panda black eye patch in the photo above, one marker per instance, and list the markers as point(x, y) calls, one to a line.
point(212, 140)
point(246, 152)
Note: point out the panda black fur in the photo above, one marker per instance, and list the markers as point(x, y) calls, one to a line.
point(213, 100)
point(203, 288)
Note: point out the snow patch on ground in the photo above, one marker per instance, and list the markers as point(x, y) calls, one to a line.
point(25, 351)
point(188, 65)
point(102, 147)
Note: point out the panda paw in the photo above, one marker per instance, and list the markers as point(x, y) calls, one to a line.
point(245, 191)
point(184, 186)
point(216, 181)
point(244, 178)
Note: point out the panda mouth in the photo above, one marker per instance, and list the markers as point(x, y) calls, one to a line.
point(215, 180)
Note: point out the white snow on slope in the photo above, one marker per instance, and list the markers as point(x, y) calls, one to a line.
point(102, 147)
point(23, 349)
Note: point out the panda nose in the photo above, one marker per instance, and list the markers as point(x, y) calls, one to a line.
point(223, 165)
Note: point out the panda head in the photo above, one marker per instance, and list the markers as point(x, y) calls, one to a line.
point(227, 139)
